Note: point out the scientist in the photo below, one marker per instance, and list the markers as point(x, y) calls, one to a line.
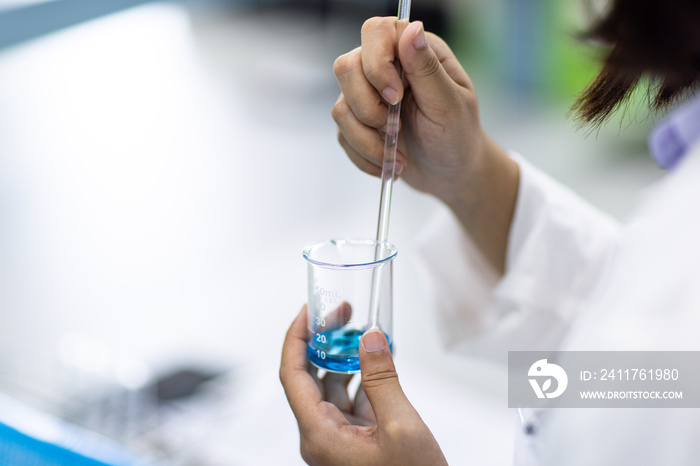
point(544, 269)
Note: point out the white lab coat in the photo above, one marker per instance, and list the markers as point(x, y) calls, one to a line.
point(578, 280)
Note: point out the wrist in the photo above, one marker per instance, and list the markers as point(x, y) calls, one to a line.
point(483, 200)
point(492, 176)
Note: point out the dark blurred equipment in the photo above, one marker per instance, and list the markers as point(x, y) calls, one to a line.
point(432, 13)
point(433, 16)
point(180, 384)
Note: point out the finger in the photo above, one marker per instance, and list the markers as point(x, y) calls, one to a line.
point(337, 318)
point(363, 99)
point(364, 139)
point(356, 158)
point(300, 388)
point(336, 390)
point(368, 166)
point(363, 145)
point(378, 56)
point(380, 382)
point(333, 320)
point(424, 63)
point(324, 325)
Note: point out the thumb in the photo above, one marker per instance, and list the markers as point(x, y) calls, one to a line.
point(380, 381)
point(432, 85)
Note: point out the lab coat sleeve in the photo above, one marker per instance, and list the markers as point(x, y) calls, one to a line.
point(559, 248)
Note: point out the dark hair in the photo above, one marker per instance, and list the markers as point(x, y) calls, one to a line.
point(654, 39)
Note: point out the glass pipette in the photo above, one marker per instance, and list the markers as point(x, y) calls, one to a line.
point(388, 169)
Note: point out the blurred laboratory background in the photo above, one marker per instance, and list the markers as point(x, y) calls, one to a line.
point(162, 166)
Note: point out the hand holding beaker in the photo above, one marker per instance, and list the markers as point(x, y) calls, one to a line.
point(334, 430)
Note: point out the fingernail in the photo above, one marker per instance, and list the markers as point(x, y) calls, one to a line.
point(373, 341)
point(345, 311)
point(419, 39)
point(390, 95)
point(400, 167)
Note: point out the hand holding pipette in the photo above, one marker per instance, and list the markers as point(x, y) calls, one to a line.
point(441, 147)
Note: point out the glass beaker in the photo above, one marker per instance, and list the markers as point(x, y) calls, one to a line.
point(343, 274)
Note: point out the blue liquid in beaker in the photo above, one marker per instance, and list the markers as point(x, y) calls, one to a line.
point(336, 350)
